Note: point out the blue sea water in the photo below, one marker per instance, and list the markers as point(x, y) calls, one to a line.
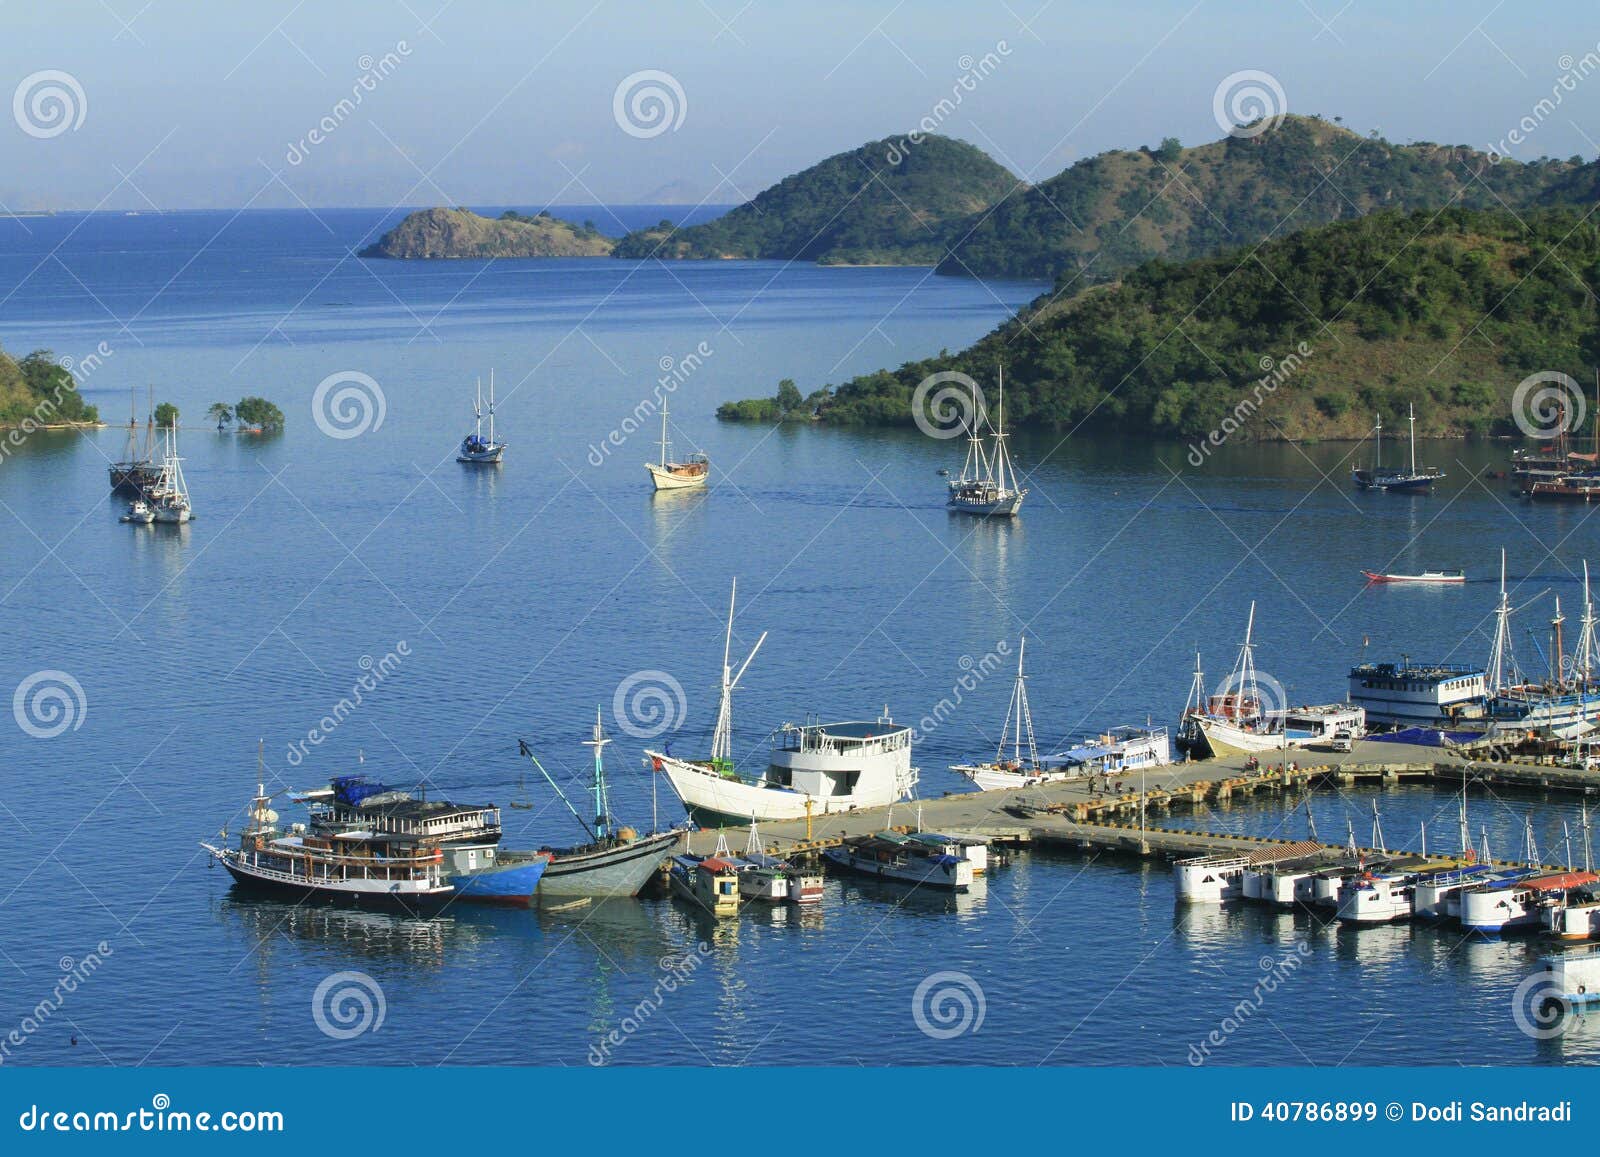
point(517, 600)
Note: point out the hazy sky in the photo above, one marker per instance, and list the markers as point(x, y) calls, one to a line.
point(192, 104)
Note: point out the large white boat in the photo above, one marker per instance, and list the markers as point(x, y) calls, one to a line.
point(475, 448)
point(169, 497)
point(988, 484)
point(1494, 909)
point(669, 475)
point(814, 768)
point(1237, 721)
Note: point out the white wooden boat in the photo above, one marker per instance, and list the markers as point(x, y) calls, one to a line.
point(669, 475)
point(988, 485)
point(1371, 898)
point(1210, 879)
point(475, 448)
point(813, 768)
point(1432, 577)
point(169, 497)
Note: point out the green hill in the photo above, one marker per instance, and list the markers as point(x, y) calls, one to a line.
point(39, 390)
point(888, 202)
point(1448, 309)
point(445, 233)
point(1113, 211)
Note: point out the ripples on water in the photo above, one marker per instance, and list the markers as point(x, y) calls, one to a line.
point(525, 595)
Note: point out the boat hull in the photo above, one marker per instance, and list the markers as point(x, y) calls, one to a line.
point(505, 883)
point(617, 871)
point(712, 799)
point(668, 480)
point(945, 873)
point(414, 903)
point(999, 508)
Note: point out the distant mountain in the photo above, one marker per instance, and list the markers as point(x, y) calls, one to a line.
point(1113, 211)
point(1306, 336)
point(887, 202)
point(444, 233)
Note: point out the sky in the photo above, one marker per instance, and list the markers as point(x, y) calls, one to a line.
point(175, 104)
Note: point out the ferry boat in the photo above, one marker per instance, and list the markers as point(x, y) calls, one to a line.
point(381, 869)
point(1381, 477)
point(988, 484)
point(1210, 879)
point(902, 860)
point(708, 882)
point(1514, 906)
point(616, 860)
point(475, 448)
point(813, 769)
point(1427, 577)
point(1407, 694)
point(1237, 722)
point(1369, 898)
point(668, 475)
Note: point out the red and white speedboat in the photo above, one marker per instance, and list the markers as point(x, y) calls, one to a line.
point(1434, 577)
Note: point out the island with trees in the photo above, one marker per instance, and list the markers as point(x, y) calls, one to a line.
point(37, 391)
point(461, 233)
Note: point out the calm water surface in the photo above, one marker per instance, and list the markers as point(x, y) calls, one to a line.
point(523, 597)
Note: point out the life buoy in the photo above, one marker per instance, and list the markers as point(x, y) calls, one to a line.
point(655, 763)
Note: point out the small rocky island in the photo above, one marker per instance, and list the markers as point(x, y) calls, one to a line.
point(436, 233)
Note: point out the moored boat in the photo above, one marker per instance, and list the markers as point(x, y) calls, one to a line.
point(475, 448)
point(1380, 477)
point(988, 485)
point(708, 882)
point(1427, 577)
point(1510, 907)
point(902, 860)
point(666, 474)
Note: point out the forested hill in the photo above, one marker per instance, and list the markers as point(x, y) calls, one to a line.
point(38, 389)
point(1445, 309)
point(1116, 210)
point(887, 202)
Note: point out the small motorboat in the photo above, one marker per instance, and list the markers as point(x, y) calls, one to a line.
point(1435, 577)
point(139, 512)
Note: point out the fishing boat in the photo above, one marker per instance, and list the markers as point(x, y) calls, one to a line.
point(902, 860)
point(813, 768)
point(1380, 477)
point(973, 849)
point(381, 869)
point(477, 869)
point(1431, 577)
point(475, 448)
point(669, 475)
point(139, 512)
point(1238, 722)
point(1563, 487)
point(708, 882)
point(766, 879)
point(616, 861)
point(802, 876)
point(1565, 703)
point(988, 484)
point(169, 496)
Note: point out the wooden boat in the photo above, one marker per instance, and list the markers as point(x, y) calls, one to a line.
point(1435, 577)
point(709, 882)
point(475, 448)
point(669, 475)
point(893, 857)
point(1381, 477)
point(988, 484)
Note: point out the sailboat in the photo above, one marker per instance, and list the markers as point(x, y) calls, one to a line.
point(617, 861)
point(135, 472)
point(475, 448)
point(813, 768)
point(169, 497)
point(669, 475)
point(1562, 706)
point(1381, 477)
point(988, 483)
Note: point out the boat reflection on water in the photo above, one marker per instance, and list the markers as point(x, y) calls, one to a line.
point(908, 899)
point(433, 941)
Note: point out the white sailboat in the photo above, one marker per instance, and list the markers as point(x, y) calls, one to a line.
point(988, 483)
point(814, 768)
point(669, 475)
point(475, 448)
point(169, 497)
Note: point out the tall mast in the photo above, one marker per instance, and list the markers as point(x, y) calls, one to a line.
point(1558, 655)
point(1413, 420)
point(477, 413)
point(1502, 663)
point(491, 405)
point(1466, 832)
point(1377, 446)
point(1018, 727)
point(664, 433)
point(602, 803)
point(1585, 656)
point(722, 737)
point(1244, 672)
point(1000, 460)
point(1197, 689)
